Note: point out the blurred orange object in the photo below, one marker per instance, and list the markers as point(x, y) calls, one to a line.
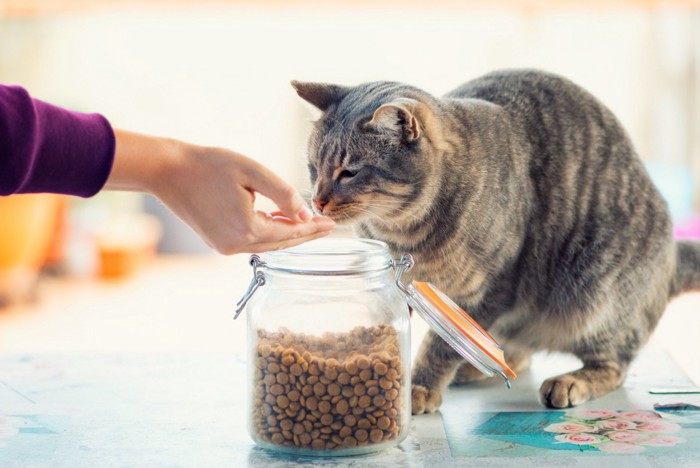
point(125, 242)
point(56, 251)
point(28, 224)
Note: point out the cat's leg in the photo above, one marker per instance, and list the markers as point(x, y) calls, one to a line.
point(518, 360)
point(433, 370)
point(606, 355)
point(595, 379)
point(467, 373)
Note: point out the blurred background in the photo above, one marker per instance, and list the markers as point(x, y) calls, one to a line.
point(218, 72)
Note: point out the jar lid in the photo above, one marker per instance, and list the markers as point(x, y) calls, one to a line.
point(458, 329)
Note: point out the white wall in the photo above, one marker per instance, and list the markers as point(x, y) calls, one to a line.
point(219, 75)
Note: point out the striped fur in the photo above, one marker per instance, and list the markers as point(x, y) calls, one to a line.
point(521, 197)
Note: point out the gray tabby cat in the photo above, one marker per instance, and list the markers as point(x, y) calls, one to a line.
point(521, 197)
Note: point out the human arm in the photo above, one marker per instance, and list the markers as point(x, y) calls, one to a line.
point(44, 148)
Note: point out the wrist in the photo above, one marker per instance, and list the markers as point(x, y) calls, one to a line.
point(167, 168)
point(143, 163)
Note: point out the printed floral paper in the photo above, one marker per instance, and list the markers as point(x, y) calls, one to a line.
point(573, 432)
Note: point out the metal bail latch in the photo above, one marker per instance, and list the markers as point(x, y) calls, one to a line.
point(257, 281)
point(404, 265)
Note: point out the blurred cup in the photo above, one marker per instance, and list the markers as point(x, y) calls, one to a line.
point(125, 242)
point(28, 226)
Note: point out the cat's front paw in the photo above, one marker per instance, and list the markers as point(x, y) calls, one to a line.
point(424, 400)
point(564, 391)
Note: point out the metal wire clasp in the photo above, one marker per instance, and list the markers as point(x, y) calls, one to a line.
point(257, 281)
point(404, 265)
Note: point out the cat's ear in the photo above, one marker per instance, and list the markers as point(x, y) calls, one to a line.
point(321, 95)
point(398, 117)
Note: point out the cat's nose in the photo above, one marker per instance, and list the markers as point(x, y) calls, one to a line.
point(319, 204)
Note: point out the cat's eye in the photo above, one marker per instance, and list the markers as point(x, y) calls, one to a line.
point(346, 175)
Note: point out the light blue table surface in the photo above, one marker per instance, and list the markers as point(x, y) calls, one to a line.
point(188, 410)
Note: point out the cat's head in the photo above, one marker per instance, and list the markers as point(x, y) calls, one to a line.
point(369, 153)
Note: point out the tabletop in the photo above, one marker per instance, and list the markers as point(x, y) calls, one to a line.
point(189, 410)
point(149, 372)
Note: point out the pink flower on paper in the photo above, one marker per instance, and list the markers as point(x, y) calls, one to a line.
point(660, 427)
point(616, 424)
point(569, 428)
point(579, 439)
point(627, 436)
point(663, 441)
point(590, 415)
point(620, 447)
point(640, 416)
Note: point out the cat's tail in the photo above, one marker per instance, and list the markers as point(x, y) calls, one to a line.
point(687, 268)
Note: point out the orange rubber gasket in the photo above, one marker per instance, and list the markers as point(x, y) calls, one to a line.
point(460, 320)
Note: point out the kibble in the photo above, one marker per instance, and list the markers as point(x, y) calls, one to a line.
point(282, 401)
point(324, 407)
point(286, 424)
point(296, 369)
point(333, 392)
point(376, 435)
point(319, 389)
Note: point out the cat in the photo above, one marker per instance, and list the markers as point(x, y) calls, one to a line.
point(521, 197)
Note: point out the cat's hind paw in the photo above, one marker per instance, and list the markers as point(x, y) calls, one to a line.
point(424, 400)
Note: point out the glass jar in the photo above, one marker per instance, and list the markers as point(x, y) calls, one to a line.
point(329, 349)
point(329, 346)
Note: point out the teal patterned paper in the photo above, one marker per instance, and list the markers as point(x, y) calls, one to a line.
point(566, 433)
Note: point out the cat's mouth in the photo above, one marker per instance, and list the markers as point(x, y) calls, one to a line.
point(346, 213)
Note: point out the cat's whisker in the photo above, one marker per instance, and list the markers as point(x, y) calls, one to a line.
point(393, 209)
point(369, 211)
point(392, 203)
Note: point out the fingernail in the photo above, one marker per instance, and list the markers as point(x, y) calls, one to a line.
point(305, 214)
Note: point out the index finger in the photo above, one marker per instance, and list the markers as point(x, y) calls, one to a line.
point(285, 196)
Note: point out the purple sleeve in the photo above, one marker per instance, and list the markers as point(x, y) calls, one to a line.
point(44, 148)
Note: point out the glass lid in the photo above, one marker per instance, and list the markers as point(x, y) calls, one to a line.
point(459, 330)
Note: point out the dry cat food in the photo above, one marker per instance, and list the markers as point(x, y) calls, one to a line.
point(336, 391)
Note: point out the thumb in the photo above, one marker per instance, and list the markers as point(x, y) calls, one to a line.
point(286, 197)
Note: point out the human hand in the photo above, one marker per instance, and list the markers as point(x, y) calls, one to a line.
point(213, 190)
